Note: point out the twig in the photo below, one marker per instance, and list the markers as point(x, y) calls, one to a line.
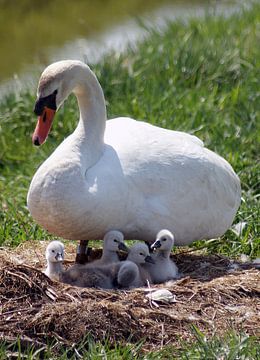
point(162, 334)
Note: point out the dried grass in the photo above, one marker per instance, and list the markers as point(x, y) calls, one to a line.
point(209, 296)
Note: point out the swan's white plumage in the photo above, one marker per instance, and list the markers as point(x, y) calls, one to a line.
point(135, 177)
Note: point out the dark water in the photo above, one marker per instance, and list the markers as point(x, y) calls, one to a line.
point(36, 33)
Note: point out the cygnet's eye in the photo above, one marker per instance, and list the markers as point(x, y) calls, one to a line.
point(141, 254)
point(164, 239)
point(53, 251)
point(115, 240)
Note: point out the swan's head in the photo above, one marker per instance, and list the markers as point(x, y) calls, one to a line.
point(139, 254)
point(114, 241)
point(164, 241)
point(57, 81)
point(55, 252)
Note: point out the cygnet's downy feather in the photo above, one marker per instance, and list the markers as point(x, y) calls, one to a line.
point(128, 275)
point(164, 268)
point(113, 242)
point(139, 254)
point(110, 276)
point(54, 255)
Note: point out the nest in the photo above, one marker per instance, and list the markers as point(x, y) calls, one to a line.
point(211, 296)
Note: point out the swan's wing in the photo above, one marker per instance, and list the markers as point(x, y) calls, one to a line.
point(122, 130)
point(175, 179)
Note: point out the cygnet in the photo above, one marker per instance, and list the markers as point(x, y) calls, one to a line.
point(164, 268)
point(54, 255)
point(116, 275)
point(139, 254)
point(113, 242)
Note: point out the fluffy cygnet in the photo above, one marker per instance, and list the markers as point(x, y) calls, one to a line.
point(115, 275)
point(54, 255)
point(139, 254)
point(164, 268)
point(101, 276)
point(121, 274)
point(112, 242)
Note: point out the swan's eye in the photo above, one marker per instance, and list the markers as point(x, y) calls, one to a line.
point(164, 239)
point(115, 240)
point(141, 254)
point(46, 101)
point(53, 251)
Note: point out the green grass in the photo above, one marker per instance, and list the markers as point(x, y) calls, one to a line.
point(229, 347)
point(202, 77)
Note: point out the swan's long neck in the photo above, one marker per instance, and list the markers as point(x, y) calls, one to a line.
point(89, 134)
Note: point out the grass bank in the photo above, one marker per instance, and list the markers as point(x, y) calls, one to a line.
point(201, 77)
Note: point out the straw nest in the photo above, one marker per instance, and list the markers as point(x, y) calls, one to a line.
point(212, 295)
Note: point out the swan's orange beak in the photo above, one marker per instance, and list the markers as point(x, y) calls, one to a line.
point(43, 126)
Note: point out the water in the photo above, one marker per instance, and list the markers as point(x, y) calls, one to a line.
point(53, 31)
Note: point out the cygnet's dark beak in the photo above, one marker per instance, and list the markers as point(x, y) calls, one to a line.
point(59, 257)
point(149, 259)
point(122, 246)
point(156, 245)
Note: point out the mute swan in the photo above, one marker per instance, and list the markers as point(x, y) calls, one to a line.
point(164, 268)
point(118, 274)
point(139, 254)
point(124, 174)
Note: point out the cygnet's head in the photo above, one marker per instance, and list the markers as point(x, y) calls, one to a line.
point(164, 241)
point(114, 241)
point(139, 254)
point(55, 252)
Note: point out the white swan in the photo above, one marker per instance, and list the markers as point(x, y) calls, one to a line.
point(124, 174)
